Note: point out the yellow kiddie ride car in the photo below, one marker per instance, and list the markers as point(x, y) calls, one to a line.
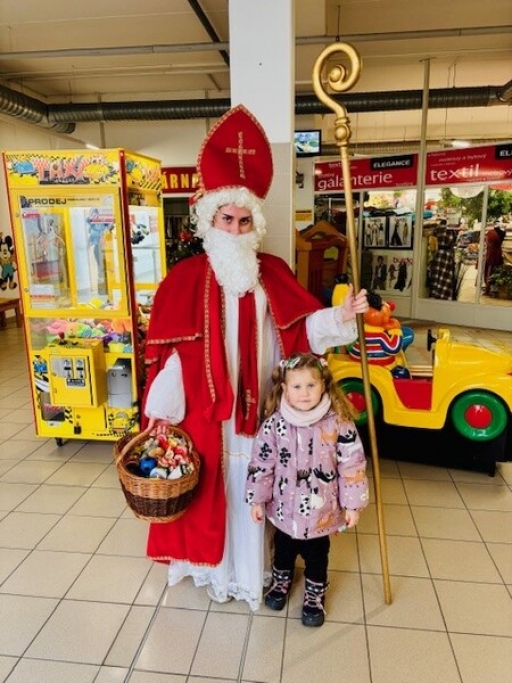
point(467, 385)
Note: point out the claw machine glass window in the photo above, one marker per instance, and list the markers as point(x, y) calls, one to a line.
point(144, 217)
point(74, 254)
point(146, 247)
point(95, 234)
point(48, 270)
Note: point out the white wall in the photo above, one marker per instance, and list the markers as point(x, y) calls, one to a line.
point(175, 143)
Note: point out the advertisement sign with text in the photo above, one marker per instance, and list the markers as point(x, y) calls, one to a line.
point(366, 174)
point(490, 164)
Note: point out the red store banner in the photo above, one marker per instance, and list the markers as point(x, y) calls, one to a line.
point(368, 174)
point(179, 180)
point(489, 164)
point(471, 165)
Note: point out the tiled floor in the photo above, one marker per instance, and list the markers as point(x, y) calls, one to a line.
point(79, 603)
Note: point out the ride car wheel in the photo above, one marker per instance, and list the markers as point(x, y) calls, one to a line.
point(479, 416)
point(354, 391)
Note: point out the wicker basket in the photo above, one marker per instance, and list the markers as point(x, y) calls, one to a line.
point(155, 500)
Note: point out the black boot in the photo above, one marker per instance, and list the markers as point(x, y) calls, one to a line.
point(279, 588)
point(313, 612)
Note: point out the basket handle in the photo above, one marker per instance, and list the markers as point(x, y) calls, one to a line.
point(129, 445)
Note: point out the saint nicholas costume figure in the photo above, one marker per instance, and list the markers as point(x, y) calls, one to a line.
point(219, 324)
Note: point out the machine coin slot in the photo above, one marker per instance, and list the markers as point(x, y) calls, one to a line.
point(119, 384)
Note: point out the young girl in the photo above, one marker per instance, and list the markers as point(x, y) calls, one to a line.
point(307, 474)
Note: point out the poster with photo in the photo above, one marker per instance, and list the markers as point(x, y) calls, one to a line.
point(392, 273)
point(400, 232)
point(375, 232)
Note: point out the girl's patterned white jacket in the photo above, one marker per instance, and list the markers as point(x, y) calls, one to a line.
point(306, 476)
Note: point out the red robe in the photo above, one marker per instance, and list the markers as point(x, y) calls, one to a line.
point(181, 319)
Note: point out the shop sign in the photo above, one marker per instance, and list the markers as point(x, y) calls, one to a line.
point(471, 165)
point(179, 179)
point(31, 169)
point(375, 174)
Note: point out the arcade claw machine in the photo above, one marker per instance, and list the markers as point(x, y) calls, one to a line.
point(88, 228)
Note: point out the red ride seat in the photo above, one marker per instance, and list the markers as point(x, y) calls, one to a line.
point(415, 393)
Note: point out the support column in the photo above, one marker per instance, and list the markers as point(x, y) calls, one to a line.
point(262, 64)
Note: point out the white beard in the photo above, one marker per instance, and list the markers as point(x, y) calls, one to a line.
point(233, 259)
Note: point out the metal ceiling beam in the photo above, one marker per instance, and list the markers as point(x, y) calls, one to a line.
point(198, 11)
point(220, 46)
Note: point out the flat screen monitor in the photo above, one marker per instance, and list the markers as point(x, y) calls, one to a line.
point(307, 143)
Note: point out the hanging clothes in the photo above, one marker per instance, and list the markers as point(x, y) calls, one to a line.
point(442, 266)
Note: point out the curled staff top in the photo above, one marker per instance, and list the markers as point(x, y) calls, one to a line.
point(339, 79)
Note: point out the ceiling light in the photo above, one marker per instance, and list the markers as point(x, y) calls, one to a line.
point(460, 144)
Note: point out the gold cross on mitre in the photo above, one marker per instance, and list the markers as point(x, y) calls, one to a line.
point(240, 150)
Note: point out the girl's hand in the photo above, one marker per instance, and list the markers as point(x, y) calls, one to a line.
point(352, 305)
point(258, 513)
point(351, 518)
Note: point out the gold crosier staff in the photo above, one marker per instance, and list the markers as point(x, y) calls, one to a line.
point(340, 80)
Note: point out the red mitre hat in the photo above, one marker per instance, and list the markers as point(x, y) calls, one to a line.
point(235, 153)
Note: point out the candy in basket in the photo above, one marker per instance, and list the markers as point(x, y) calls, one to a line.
point(158, 473)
